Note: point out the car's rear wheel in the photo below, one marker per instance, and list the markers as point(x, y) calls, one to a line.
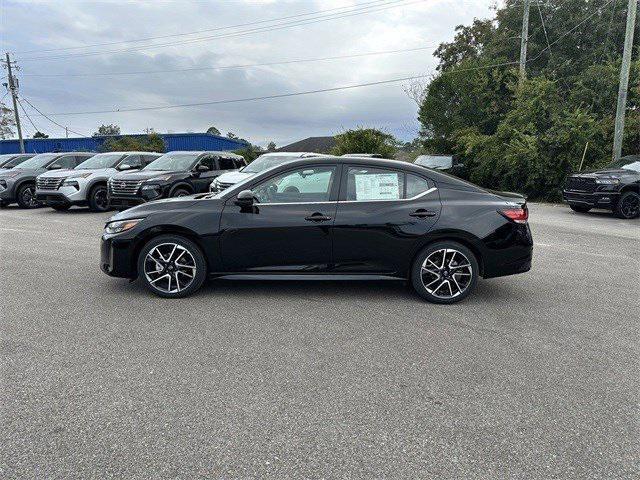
point(26, 196)
point(445, 272)
point(628, 205)
point(579, 208)
point(172, 266)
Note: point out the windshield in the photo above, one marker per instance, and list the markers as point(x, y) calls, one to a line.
point(173, 162)
point(38, 161)
point(626, 163)
point(434, 161)
point(15, 160)
point(267, 161)
point(5, 158)
point(102, 160)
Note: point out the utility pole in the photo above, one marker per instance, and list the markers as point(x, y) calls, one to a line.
point(624, 79)
point(13, 89)
point(524, 40)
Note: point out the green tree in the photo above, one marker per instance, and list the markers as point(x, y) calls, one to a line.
point(213, 131)
point(107, 130)
point(250, 152)
point(271, 147)
point(365, 140)
point(39, 134)
point(147, 143)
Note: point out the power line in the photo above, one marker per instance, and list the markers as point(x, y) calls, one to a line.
point(281, 95)
point(395, 4)
point(195, 32)
point(228, 67)
point(51, 120)
point(28, 117)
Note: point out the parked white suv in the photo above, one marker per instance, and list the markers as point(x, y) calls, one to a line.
point(87, 183)
point(261, 163)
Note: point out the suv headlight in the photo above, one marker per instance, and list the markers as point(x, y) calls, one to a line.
point(121, 225)
point(607, 181)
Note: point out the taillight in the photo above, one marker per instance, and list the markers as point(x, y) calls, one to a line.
point(518, 215)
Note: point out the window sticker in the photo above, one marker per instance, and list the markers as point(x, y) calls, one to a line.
point(379, 186)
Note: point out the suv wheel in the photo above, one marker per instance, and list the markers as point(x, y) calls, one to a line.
point(180, 192)
point(579, 208)
point(98, 201)
point(628, 205)
point(26, 196)
point(445, 272)
point(171, 266)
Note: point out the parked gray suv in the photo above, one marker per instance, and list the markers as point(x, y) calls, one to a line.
point(86, 185)
point(18, 185)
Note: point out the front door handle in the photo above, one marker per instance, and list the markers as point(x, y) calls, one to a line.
point(422, 213)
point(317, 217)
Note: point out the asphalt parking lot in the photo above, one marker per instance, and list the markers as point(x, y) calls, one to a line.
point(534, 376)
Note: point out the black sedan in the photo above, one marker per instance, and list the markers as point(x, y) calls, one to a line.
point(336, 218)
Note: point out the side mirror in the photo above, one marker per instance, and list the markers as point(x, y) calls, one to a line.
point(202, 168)
point(245, 198)
point(55, 166)
point(125, 166)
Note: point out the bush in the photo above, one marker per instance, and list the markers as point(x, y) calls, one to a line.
point(365, 140)
point(148, 143)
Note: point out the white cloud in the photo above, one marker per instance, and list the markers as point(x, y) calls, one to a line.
point(38, 26)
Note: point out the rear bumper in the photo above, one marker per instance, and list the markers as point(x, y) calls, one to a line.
point(595, 199)
point(509, 253)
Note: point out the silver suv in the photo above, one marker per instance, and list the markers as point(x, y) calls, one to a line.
point(87, 183)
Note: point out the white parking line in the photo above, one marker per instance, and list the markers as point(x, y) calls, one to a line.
point(584, 252)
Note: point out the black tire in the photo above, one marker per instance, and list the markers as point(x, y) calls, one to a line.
point(579, 208)
point(628, 206)
point(61, 208)
point(98, 200)
point(450, 284)
point(180, 192)
point(162, 287)
point(26, 196)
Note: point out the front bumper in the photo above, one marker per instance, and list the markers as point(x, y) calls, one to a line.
point(58, 197)
point(125, 202)
point(601, 199)
point(116, 259)
point(8, 194)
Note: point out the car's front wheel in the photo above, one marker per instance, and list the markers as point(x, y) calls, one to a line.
point(98, 200)
point(172, 266)
point(628, 205)
point(579, 208)
point(26, 196)
point(180, 192)
point(445, 272)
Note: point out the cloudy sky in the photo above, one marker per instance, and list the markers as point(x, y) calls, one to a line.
point(74, 57)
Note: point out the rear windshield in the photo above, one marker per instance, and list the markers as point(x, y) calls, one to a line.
point(267, 161)
point(434, 161)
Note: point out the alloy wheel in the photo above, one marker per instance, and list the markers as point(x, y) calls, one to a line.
point(630, 206)
point(169, 268)
point(29, 197)
point(446, 273)
point(101, 200)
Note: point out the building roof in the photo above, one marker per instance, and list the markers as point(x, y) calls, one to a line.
point(311, 144)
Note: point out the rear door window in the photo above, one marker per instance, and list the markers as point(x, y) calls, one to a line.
point(67, 161)
point(365, 184)
point(416, 185)
point(134, 161)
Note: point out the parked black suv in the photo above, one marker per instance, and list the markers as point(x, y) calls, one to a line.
point(175, 174)
point(616, 187)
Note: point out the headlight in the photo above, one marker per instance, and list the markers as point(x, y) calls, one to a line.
point(150, 187)
point(607, 181)
point(121, 225)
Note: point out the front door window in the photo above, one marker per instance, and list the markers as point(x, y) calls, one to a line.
point(304, 185)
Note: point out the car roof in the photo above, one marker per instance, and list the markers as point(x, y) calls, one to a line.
point(294, 154)
point(204, 152)
point(132, 152)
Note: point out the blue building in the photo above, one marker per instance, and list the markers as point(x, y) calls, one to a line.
point(172, 141)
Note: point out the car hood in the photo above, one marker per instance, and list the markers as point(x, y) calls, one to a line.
point(234, 177)
point(143, 174)
point(19, 172)
point(59, 173)
point(167, 205)
point(616, 173)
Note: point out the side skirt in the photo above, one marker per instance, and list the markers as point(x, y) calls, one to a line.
point(294, 277)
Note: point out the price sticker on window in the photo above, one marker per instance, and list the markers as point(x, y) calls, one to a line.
point(379, 186)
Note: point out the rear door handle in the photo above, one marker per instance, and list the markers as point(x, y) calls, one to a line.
point(317, 217)
point(422, 213)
